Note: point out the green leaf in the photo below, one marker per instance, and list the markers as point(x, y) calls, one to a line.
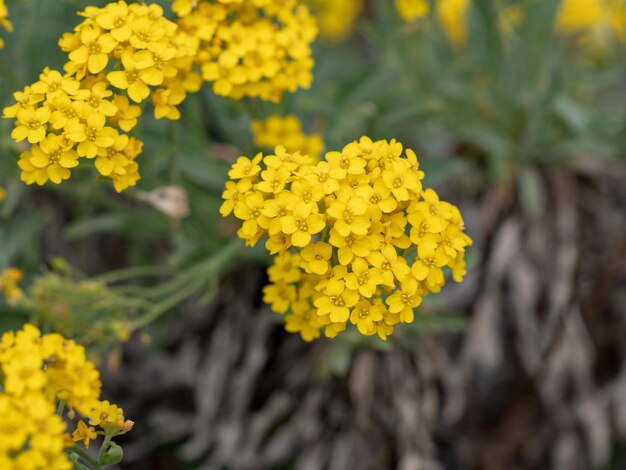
point(113, 456)
point(531, 192)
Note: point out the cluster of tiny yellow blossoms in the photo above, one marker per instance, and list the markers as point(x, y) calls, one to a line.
point(4, 22)
point(36, 373)
point(357, 237)
point(596, 17)
point(286, 131)
point(9, 284)
point(336, 19)
point(451, 14)
point(76, 115)
point(411, 10)
point(250, 48)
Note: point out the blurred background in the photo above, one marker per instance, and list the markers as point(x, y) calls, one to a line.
point(517, 111)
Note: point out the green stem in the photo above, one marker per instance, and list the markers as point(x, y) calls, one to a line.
point(123, 274)
point(103, 450)
point(83, 454)
point(61, 407)
point(191, 282)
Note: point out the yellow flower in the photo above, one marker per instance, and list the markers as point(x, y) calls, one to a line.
point(4, 22)
point(84, 433)
point(316, 258)
point(411, 10)
point(286, 131)
point(127, 114)
point(251, 212)
point(96, 100)
point(165, 101)
point(53, 84)
point(336, 19)
point(402, 302)
point(131, 78)
point(364, 315)
point(245, 168)
point(427, 267)
point(580, 14)
point(9, 283)
point(337, 301)
point(400, 182)
point(91, 135)
point(23, 100)
point(112, 159)
point(301, 225)
point(306, 323)
point(49, 160)
point(93, 50)
point(393, 267)
point(364, 278)
point(279, 296)
point(115, 18)
point(31, 124)
point(452, 15)
point(285, 268)
point(350, 216)
point(350, 246)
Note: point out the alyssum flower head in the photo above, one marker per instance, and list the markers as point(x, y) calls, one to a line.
point(358, 239)
point(36, 373)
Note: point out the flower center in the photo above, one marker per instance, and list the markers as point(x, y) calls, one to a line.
point(132, 76)
point(348, 216)
point(54, 157)
point(302, 225)
point(94, 48)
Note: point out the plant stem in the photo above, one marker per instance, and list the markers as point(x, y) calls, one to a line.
point(83, 454)
point(190, 282)
point(137, 271)
point(103, 449)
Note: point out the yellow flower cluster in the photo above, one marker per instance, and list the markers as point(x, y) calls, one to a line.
point(359, 240)
point(77, 115)
point(286, 131)
point(451, 14)
point(124, 53)
point(336, 19)
point(37, 372)
point(4, 22)
point(411, 10)
point(596, 17)
point(9, 280)
point(250, 48)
